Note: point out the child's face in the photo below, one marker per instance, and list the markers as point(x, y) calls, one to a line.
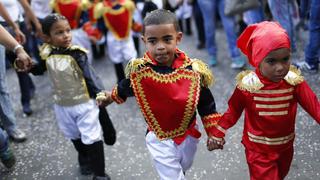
point(276, 65)
point(161, 42)
point(60, 34)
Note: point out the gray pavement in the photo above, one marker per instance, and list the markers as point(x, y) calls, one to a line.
point(48, 155)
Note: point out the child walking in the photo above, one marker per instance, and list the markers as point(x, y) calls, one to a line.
point(169, 88)
point(269, 95)
point(75, 84)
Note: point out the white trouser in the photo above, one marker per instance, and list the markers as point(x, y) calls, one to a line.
point(120, 50)
point(79, 121)
point(171, 160)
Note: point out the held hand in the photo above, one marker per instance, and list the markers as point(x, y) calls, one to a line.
point(213, 144)
point(20, 37)
point(23, 62)
point(103, 99)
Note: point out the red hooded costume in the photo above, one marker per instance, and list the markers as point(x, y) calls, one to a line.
point(270, 107)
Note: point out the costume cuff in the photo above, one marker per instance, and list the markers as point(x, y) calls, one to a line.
point(210, 121)
point(115, 97)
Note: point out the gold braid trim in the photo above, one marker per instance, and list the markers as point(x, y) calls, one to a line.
point(76, 47)
point(115, 97)
point(294, 76)
point(134, 65)
point(193, 97)
point(211, 120)
point(207, 78)
point(248, 81)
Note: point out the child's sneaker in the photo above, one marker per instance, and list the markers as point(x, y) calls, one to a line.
point(213, 61)
point(305, 67)
point(238, 62)
point(8, 159)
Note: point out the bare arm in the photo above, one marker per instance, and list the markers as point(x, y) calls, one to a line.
point(23, 60)
point(29, 13)
point(19, 35)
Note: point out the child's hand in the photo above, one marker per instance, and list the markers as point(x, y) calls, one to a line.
point(104, 99)
point(213, 144)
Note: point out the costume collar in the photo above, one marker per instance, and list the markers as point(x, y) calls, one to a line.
point(181, 60)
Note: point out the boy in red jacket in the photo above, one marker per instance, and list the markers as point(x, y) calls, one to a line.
point(269, 95)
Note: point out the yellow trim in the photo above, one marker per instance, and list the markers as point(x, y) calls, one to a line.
point(272, 106)
point(271, 141)
point(211, 120)
point(128, 5)
point(278, 91)
point(274, 113)
point(216, 138)
point(221, 129)
point(167, 78)
point(272, 99)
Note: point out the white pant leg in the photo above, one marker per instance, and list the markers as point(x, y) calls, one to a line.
point(120, 50)
point(171, 160)
point(66, 122)
point(88, 122)
point(79, 121)
point(188, 149)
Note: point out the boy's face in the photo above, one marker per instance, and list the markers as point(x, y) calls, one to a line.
point(60, 34)
point(276, 65)
point(161, 42)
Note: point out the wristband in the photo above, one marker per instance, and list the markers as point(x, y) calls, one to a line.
point(16, 48)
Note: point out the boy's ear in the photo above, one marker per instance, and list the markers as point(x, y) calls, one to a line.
point(143, 39)
point(46, 38)
point(179, 37)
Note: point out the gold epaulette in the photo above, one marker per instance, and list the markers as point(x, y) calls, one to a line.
point(52, 3)
point(98, 10)
point(129, 5)
point(134, 65)
point(45, 51)
point(207, 78)
point(294, 76)
point(76, 47)
point(248, 81)
point(85, 4)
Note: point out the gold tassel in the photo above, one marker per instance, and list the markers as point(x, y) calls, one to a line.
point(207, 78)
point(98, 10)
point(252, 84)
point(294, 76)
point(133, 66)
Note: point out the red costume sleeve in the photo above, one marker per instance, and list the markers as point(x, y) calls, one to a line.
point(230, 117)
point(308, 100)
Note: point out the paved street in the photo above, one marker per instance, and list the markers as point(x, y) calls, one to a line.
point(48, 155)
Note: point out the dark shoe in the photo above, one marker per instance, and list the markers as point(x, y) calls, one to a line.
point(107, 177)
point(27, 109)
point(201, 45)
point(17, 135)
point(8, 159)
point(305, 67)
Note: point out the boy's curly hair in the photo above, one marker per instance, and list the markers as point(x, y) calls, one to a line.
point(161, 16)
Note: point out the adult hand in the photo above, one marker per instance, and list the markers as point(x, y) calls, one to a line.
point(23, 61)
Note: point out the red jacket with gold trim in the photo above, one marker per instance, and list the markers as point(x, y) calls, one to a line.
point(169, 97)
point(73, 10)
point(116, 16)
point(270, 110)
